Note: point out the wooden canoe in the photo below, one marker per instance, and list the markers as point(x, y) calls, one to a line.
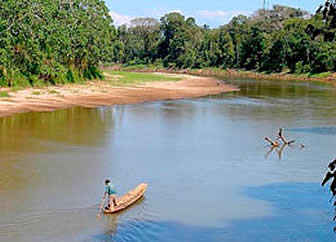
point(128, 199)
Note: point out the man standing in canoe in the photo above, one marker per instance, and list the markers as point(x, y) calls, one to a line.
point(111, 193)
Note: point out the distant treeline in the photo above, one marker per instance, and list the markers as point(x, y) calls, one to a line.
point(59, 41)
point(275, 40)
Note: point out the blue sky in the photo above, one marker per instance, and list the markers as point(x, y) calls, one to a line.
point(211, 12)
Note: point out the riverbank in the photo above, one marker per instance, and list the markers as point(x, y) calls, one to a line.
point(114, 89)
point(239, 74)
point(235, 74)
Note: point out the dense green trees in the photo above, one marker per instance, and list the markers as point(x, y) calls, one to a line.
point(275, 40)
point(48, 41)
point(58, 41)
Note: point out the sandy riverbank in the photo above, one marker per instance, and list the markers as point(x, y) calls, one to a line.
point(102, 93)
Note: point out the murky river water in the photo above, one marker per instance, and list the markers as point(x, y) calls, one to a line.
point(211, 176)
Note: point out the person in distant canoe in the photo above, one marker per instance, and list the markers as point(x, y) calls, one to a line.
point(110, 192)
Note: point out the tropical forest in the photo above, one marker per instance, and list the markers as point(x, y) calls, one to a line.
point(67, 41)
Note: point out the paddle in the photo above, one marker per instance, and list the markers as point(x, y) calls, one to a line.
point(101, 207)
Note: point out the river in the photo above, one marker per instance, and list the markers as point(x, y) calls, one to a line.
point(210, 175)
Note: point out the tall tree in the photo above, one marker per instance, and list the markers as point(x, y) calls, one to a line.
point(52, 41)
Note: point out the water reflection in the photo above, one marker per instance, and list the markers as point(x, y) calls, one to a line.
point(275, 145)
point(112, 224)
point(287, 101)
point(35, 131)
point(110, 230)
point(277, 149)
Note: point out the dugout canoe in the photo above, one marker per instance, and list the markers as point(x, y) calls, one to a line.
point(128, 199)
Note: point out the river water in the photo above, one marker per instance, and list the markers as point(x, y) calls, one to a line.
point(211, 176)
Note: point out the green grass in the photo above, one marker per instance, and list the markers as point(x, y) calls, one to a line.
point(4, 94)
point(133, 78)
point(16, 89)
point(321, 75)
point(36, 93)
point(53, 92)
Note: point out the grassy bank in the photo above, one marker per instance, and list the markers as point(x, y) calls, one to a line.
point(4, 94)
point(232, 73)
point(122, 78)
point(111, 78)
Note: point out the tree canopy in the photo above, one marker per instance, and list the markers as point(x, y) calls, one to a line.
point(48, 41)
point(273, 40)
point(58, 41)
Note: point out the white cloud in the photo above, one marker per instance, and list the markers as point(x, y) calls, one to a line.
point(158, 13)
point(219, 14)
point(119, 19)
point(214, 18)
point(176, 11)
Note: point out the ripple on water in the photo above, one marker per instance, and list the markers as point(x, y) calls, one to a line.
point(54, 224)
point(51, 225)
point(134, 220)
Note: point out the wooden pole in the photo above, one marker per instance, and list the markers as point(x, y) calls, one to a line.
point(101, 207)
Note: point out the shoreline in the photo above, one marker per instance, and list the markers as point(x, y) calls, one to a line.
point(232, 74)
point(101, 93)
point(237, 74)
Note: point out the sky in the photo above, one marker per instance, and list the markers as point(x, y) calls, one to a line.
point(211, 12)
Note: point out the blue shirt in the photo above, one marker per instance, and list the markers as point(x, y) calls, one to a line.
point(109, 189)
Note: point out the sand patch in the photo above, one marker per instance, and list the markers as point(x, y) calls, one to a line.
point(102, 93)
